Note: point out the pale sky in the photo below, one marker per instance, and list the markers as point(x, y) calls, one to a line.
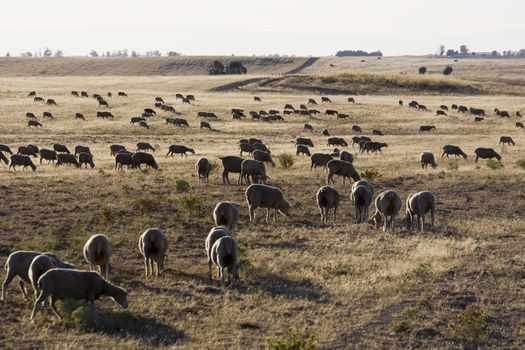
point(243, 27)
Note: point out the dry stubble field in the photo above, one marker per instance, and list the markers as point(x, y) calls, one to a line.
point(350, 285)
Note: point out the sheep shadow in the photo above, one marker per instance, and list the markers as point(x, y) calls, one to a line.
point(277, 285)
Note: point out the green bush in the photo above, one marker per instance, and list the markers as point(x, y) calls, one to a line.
point(77, 314)
point(452, 166)
point(422, 271)
point(520, 163)
point(471, 325)
point(292, 341)
point(182, 186)
point(494, 164)
point(286, 160)
point(371, 174)
point(409, 316)
point(193, 205)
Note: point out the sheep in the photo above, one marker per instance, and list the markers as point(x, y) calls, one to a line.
point(246, 147)
point(80, 116)
point(144, 158)
point(124, 158)
point(325, 132)
point(61, 148)
point(48, 155)
point(25, 161)
point(418, 204)
point(78, 285)
point(341, 168)
point(203, 168)
point(426, 159)
point(82, 149)
point(426, 128)
point(63, 158)
point(304, 141)
point(34, 123)
point(387, 204)
point(224, 255)
point(346, 156)
point(214, 234)
point(486, 153)
point(506, 140)
point(231, 164)
point(226, 214)
point(153, 246)
point(308, 127)
point(97, 252)
point(28, 151)
point(336, 141)
point(455, 150)
point(255, 169)
point(365, 183)
point(327, 198)
point(441, 113)
point(205, 125)
point(42, 263)
point(263, 156)
point(261, 147)
point(144, 146)
point(86, 158)
point(320, 159)
point(264, 196)
point(179, 149)
point(357, 128)
point(143, 124)
point(361, 197)
point(302, 149)
point(6, 149)
point(520, 125)
point(3, 158)
point(311, 101)
point(358, 139)
point(116, 148)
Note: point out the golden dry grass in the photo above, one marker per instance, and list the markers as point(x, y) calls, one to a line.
point(345, 282)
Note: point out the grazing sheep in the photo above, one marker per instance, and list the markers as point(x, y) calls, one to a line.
point(224, 255)
point(342, 116)
point(47, 115)
point(486, 153)
point(254, 169)
point(116, 148)
point(226, 214)
point(341, 168)
point(203, 168)
point(205, 125)
point(231, 164)
point(34, 123)
point(320, 159)
point(426, 159)
point(143, 124)
point(50, 102)
point(30, 115)
point(346, 156)
point(261, 147)
point(246, 147)
point(6, 149)
point(426, 128)
point(144, 146)
point(78, 285)
point(361, 197)
point(325, 99)
point(302, 149)
point(351, 100)
point(179, 149)
point(264, 196)
point(443, 107)
point(311, 101)
point(387, 204)
point(86, 158)
point(97, 252)
point(400, 102)
point(455, 150)
point(372, 146)
point(308, 127)
point(506, 140)
point(144, 158)
point(82, 149)
point(418, 204)
point(40, 265)
point(358, 139)
point(336, 141)
point(357, 128)
point(365, 183)
point(440, 112)
point(257, 99)
point(124, 158)
point(214, 234)
point(520, 125)
point(377, 132)
point(304, 141)
point(67, 159)
point(25, 161)
point(153, 246)
point(61, 148)
point(48, 155)
point(263, 156)
point(325, 132)
point(478, 119)
point(327, 198)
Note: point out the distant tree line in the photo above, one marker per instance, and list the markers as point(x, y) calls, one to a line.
point(465, 52)
point(358, 53)
point(233, 67)
point(46, 52)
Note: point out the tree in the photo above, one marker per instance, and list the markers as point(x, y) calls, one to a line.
point(59, 53)
point(441, 50)
point(216, 68)
point(448, 70)
point(422, 70)
point(26, 54)
point(451, 52)
point(235, 67)
point(156, 53)
point(495, 53)
point(93, 53)
point(108, 54)
point(7, 54)
point(463, 49)
point(47, 52)
point(173, 53)
point(134, 54)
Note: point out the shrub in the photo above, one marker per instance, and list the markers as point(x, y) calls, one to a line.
point(452, 166)
point(286, 160)
point(77, 314)
point(182, 186)
point(292, 341)
point(471, 325)
point(520, 163)
point(190, 203)
point(371, 174)
point(106, 214)
point(409, 316)
point(422, 271)
point(147, 204)
point(494, 164)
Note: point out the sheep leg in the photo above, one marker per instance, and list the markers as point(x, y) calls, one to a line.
point(421, 219)
point(322, 213)
point(267, 215)
point(432, 213)
point(335, 213)
point(209, 269)
point(106, 272)
point(151, 268)
point(38, 304)
point(252, 213)
point(7, 281)
point(146, 266)
point(54, 308)
point(23, 289)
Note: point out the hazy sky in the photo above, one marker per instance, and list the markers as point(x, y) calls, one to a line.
point(243, 27)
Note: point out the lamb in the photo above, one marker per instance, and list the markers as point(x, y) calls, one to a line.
point(418, 204)
point(337, 141)
point(387, 204)
point(144, 146)
point(153, 246)
point(327, 198)
point(203, 168)
point(320, 159)
point(226, 214)
point(40, 265)
point(213, 236)
point(264, 196)
point(116, 148)
point(455, 150)
point(124, 158)
point(231, 164)
point(506, 140)
point(82, 149)
point(86, 158)
point(426, 128)
point(304, 141)
point(302, 149)
point(179, 149)
point(78, 285)
point(63, 158)
point(254, 169)
point(263, 156)
point(361, 197)
point(48, 155)
point(346, 156)
point(25, 161)
point(341, 168)
point(426, 159)
point(224, 255)
point(144, 158)
point(97, 252)
point(61, 148)
point(486, 153)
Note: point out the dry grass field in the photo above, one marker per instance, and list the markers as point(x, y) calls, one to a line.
point(350, 285)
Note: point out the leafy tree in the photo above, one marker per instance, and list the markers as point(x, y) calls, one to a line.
point(7, 54)
point(59, 53)
point(134, 54)
point(441, 50)
point(235, 67)
point(451, 52)
point(216, 68)
point(47, 52)
point(173, 53)
point(463, 49)
point(93, 53)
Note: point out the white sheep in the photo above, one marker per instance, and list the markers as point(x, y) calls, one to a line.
point(365, 183)
point(388, 204)
point(78, 285)
point(224, 255)
point(43, 263)
point(226, 213)
point(153, 246)
point(97, 252)
point(327, 198)
point(361, 197)
point(418, 204)
point(213, 236)
point(264, 196)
